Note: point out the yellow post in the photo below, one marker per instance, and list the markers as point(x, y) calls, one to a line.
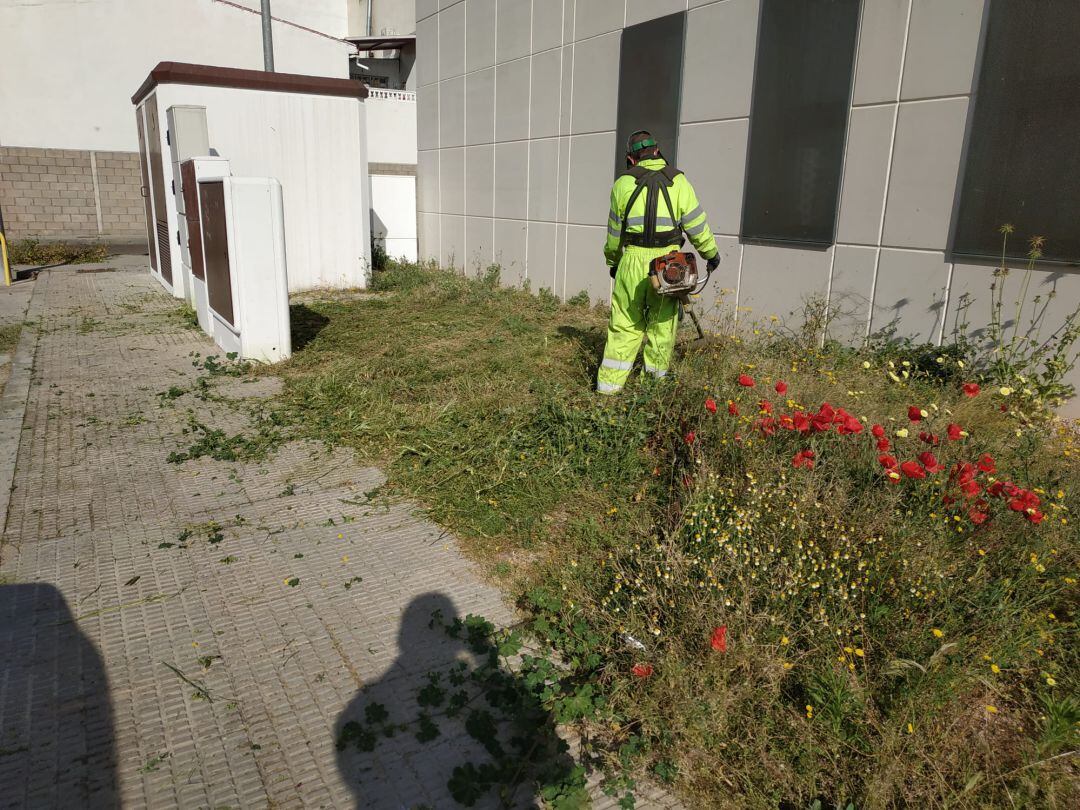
point(7, 267)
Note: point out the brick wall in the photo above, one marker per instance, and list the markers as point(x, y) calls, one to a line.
point(71, 194)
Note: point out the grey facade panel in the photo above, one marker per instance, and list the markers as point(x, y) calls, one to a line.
point(514, 30)
point(546, 94)
point(718, 73)
point(595, 85)
point(480, 107)
point(716, 304)
point(427, 117)
point(543, 179)
point(452, 42)
point(849, 293)
point(547, 25)
point(714, 159)
point(882, 32)
point(590, 179)
point(542, 252)
point(452, 240)
point(479, 34)
point(777, 281)
point(910, 294)
point(428, 235)
point(427, 180)
point(510, 248)
point(452, 112)
point(867, 163)
point(592, 17)
point(925, 166)
point(452, 181)
point(427, 68)
point(479, 244)
point(943, 42)
point(479, 180)
point(425, 8)
point(512, 101)
point(584, 273)
point(638, 11)
point(511, 180)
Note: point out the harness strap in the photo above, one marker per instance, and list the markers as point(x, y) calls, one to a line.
point(651, 180)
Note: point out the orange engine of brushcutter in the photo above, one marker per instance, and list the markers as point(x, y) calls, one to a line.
point(674, 273)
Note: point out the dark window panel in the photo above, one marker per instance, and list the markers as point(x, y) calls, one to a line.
point(802, 91)
point(650, 83)
point(1023, 162)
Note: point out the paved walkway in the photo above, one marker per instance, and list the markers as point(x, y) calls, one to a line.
point(191, 635)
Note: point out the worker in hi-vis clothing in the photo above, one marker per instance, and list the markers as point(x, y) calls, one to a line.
point(644, 223)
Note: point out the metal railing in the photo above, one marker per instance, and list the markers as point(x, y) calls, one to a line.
point(396, 95)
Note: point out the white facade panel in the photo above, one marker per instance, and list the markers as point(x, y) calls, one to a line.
point(393, 214)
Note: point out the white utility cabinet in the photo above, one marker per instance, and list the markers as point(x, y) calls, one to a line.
point(190, 173)
point(247, 285)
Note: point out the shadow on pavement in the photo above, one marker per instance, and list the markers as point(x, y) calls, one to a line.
point(449, 725)
point(56, 730)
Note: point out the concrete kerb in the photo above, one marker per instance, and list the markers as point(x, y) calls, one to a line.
point(13, 409)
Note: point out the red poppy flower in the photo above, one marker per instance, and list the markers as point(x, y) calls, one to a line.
point(642, 670)
point(914, 413)
point(1024, 501)
point(883, 445)
point(977, 517)
point(1035, 516)
point(781, 387)
point(955, 432)
point(986, 464)
point(931, 463)
point(823, 419)
point(710, 405)
point(804, 458)
point(888, 462)
point(746, 381)
point(850, 426)
point(690, 437)
point(996, 489)
point(733, 409)
point(971, 389)
point(948, 500)
point(971, 487)
point(929, 438)
point(767, 425)
point(912, 469)
point(801, 422)
point(878, 431)
point(719, 638)
point(786, 421)
point(765, 406)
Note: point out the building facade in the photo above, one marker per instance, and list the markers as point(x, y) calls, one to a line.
point(860, 153)
point(68, 143)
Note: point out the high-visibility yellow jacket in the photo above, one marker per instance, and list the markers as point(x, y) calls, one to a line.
point(687, 215)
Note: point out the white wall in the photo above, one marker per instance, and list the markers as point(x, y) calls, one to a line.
point(391, 125)
point(393, 214)
point(387, 17)
point(316, 147)
point(70, 67)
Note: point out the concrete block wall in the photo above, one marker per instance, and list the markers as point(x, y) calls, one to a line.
point(71, 194)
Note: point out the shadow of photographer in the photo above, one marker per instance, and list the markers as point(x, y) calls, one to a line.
point(56, 729)
point(449, 724)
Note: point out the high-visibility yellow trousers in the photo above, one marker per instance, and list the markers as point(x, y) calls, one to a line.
point(637, 312)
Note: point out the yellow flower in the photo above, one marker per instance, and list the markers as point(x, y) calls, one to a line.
point(910, 728)
point(902, 433)
point(866, 364)
point(991, 709)
point(340, 536)
point(937, 633)
point(859, 651)
point(995, 669)
point(788, 665)
point(1005, 390)
point(784, 640)
point(1050, 681)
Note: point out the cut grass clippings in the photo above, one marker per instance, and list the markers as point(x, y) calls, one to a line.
point(767, 628)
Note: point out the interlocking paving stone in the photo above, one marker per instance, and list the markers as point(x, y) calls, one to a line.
point(100, 595)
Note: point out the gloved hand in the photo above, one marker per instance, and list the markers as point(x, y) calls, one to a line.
point(611, 270)
point(713, 263)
